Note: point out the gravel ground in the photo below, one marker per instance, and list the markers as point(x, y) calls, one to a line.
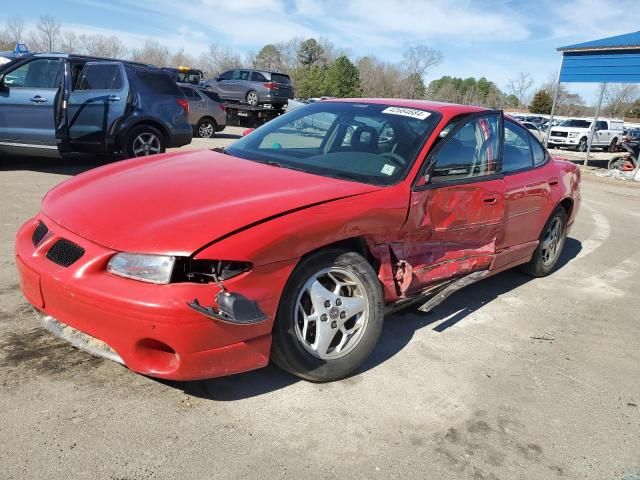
point(512, 378)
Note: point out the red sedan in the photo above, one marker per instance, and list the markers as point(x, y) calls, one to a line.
point(294, 242)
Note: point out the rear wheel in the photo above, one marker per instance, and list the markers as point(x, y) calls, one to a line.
point(613, 146)
point(206, 128)
point(623, 163)
point(252, 98)
point(330, 316)
point(550, 247)
point(144, 140)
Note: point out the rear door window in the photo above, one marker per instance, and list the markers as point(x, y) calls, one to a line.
point(190, 93)
point(97, 76)
point(517, 151)
point(600, 125)
point(539, 155)
point(258, 77)
point(159, 82)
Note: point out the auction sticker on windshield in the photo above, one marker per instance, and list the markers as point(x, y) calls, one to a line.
point(407, 112)
point(388, 169)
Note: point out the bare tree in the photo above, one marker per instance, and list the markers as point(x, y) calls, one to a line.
point(618, 97)
point(49, 29)
point(520, 87)
point(181, 58)
point(152, 53)
point(417, 61)
point(217, 59)
point(15, 29)
point(70, 42)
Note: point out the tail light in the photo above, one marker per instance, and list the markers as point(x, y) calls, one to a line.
point(270, 85)
point(184, 103)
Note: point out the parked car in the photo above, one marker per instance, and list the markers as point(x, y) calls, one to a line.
point(534, 130)
point(574, 133)
point(59, 103)
point(19, 50)
point(293, 244)
point(631, 135)
point(255, 87)
point(207, 114)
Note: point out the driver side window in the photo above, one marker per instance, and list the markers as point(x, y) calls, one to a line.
point(40, 73)
point(472, 151)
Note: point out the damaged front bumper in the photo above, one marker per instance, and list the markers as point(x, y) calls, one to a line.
point(147, 327)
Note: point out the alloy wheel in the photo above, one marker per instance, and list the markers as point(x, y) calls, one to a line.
point(332, 312)
point(146, 143)
point(552, 242)
point(205, 130)
point(252, 98)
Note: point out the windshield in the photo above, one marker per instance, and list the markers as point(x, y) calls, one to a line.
point(575, 123)
point(369, 143)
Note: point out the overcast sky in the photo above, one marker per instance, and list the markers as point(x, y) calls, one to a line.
point(496, 39)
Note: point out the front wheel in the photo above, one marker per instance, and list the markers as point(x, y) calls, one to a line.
point(330, 316)
point(582, 146)
point(550, 245)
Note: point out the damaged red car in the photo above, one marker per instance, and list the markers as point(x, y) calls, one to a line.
point(294, 242)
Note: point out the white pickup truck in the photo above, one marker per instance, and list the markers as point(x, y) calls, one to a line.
point(574, 133)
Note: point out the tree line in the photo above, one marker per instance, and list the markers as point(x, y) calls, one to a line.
point(318, 68)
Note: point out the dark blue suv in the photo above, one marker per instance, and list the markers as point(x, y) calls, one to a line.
point(60, 103)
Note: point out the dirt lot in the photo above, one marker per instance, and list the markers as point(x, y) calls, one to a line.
point(513, 378)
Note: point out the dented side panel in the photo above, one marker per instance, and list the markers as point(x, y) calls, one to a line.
point(451, 231)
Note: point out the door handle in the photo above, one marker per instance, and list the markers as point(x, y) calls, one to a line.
point(553, 181)
point(490, 199)
point(114, 98)
point(38, 99)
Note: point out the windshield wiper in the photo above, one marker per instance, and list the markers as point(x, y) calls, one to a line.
point(274, 163)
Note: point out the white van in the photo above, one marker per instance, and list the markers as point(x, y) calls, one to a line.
point(574, 133)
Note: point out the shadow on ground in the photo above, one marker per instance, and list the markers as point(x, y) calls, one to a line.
point(398, 330)
point(71, 165)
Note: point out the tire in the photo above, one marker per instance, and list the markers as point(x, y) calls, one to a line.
point(582, 146)
point(144, 140)
point(617, 163)
point(252, 98)
point(613, 146)
point(206, 128)
point(542, 262)
point(327, 316)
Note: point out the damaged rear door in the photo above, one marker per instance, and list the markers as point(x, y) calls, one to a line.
point(457, 206)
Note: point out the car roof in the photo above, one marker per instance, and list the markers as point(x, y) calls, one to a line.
point(450, 109)
point(73, 56)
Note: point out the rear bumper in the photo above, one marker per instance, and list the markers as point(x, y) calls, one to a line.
point(180, 136)
point(149, 328)
point(271, 98)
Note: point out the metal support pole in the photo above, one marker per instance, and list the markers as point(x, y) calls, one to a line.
point(593, 124)
point(553, 106)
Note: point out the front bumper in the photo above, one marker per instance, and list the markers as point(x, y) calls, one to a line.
point(149, 327)
point(564, 141)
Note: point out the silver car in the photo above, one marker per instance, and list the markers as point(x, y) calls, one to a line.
point(207, 114)
point(254, 87)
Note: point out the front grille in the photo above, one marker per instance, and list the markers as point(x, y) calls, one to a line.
point(65, 253)
point(555, 133)
point(39, 233)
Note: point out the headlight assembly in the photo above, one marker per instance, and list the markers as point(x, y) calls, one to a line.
point(573, 134)
point(146, 268)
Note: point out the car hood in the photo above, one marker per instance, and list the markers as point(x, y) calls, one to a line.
point(177, 203)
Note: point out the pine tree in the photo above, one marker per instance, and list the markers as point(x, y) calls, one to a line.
point(541, 103)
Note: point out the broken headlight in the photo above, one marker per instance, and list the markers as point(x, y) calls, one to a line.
point(207, 271)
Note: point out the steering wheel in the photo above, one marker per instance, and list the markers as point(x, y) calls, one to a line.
point(394, 158)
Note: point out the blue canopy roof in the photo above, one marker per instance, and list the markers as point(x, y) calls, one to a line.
point(614, 60)
point(628, 40)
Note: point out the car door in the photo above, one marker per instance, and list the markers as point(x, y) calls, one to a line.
point(527, 186)
point(603, 134)
point(456, 211)
point(224, 84)
point(240, 85)
point(96, 102)
point(28, 96)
